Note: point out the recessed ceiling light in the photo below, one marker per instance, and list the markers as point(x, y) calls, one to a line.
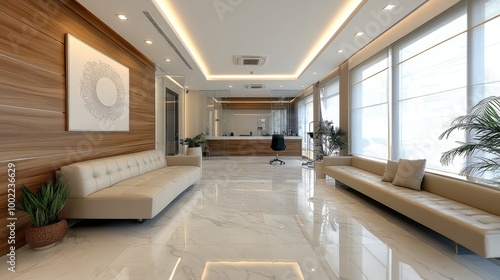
point(148, 42)
point(167, 59)
point(314, 73)
point(340, 51)
point(360, 33)
point(122, 17)
point(230, 86)
point(389, 7)
point(281, 86)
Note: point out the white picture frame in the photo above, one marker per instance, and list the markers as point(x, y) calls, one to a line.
point(97, 89)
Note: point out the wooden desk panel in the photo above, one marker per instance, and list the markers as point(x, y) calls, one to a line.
point(257, 147)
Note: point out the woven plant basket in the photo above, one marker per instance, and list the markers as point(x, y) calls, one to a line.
point(40, 238)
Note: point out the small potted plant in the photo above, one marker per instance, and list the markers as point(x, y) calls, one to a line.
point(43, 207)
point(330, 141)
point(193, 144)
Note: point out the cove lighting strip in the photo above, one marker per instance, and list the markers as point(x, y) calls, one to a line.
point(174, 20)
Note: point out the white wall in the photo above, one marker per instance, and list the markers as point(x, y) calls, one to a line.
point(194, 112)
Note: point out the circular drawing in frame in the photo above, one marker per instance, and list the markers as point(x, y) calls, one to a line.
point(92, 73)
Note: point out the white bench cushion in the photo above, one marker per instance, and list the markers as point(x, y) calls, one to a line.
point(133, 186)
point(88, 177)
point(473, 228)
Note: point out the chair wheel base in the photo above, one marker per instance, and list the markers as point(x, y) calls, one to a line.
point(278, 160)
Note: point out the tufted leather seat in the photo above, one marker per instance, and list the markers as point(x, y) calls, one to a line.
point(132, 186)
point(467, 213)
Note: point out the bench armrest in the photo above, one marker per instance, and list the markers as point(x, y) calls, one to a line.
point(183, 160)
point(337, 161)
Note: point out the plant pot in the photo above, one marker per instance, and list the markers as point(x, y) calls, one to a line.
point(40, 238)
point(194, 151)
point(318, 167)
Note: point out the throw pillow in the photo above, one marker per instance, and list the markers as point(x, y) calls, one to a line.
point(410, 173)
point(390, 171)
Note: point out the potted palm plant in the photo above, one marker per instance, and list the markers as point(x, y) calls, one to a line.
point(43, 207)
point(330, 140)
point(483, 123)
point(193, 144)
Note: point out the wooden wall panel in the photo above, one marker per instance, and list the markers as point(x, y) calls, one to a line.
point(55, 18)
point(44, 133)
point(44, 127)
point(33, 113)
point(261, 103)
point(17, 89)
point(139, 81)
point(29, 45)
point(49, 17)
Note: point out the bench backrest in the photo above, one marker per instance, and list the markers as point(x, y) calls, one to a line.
point(372, 166)
point(469, 193)
point(90, 176)
point(477, 196)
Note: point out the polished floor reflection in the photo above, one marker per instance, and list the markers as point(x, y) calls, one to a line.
point(250, 220)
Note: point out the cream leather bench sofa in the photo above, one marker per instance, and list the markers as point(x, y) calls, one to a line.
point(466, 213)
point(132, 186)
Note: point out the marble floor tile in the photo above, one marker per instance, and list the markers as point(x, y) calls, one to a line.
point(248, 219)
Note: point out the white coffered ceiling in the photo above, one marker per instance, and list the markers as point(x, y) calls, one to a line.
point(299, 39)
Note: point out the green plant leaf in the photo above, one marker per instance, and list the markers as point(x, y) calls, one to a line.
point(193, 142)
point(44, 205)
point(483, 124)
point(330, 139)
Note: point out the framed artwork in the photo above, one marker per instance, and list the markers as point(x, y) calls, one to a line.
point(97, 89)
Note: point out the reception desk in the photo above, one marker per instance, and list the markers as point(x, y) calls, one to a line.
point(251, 146)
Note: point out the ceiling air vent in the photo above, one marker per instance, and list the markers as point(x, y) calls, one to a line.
point(249, 60)
point(254, 86)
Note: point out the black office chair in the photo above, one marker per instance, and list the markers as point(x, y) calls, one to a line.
point(278, 144)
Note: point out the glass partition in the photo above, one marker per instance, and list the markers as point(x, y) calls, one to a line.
point(224, 113)
point(284, 119)
point(215, 120)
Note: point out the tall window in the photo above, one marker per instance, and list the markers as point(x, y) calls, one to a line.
point(436, 73)
point(430, 70)
point(369, 107)
point(329, 96)
point(484, 52)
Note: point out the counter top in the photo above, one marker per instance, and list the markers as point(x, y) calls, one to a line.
point(247, 137)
